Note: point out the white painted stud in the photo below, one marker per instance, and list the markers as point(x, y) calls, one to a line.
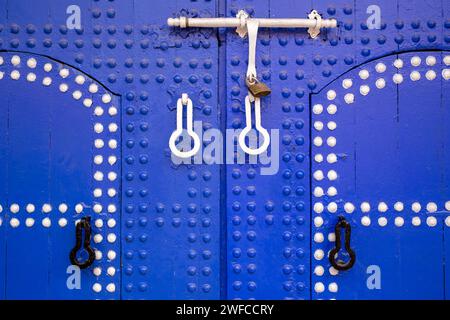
point(98, 111)
point(47, 81)
point(432, 207)
point(318, 125)
point(447, 221)
point(382, 207)
point(111, 255)
point(99, 143)
point(431, 221)
point(2, 74)
point(347, 83)
point(46, 208)
point(319, 254)
point(111, 223)
point(416, 221)
point(331, 237)
point(30, 208)
point(97, 287)
point(318, 222)
point(398, 206)
point(446, 74)
point(29, 222)
point(332, 175)
point(97, 208)
point(106, 98)
point(430, 61)
point(98, 238)
point(317, 109)
point(79, 208)
point(112, 192)
point(331, 125)
point(430, 75)
point(80, 79)
point(364, 90)
point(15, 60)
point(98, 255)
point(31, 63)
point(111, 287)
point(319, 287)
point(112, 127)
point(349, 98)
point(112, 208)
point(416, 207)
point(318, 141)
point(318, 192)
point(415, 76)
point(112, 176)
point(63, 87)
point(447, 60)
point(399, 221)
point(318, 158)
point(48, 67)
point(319, 271)
point(380, 67)
point(365, 221)
point(112, 160)
point(415, 61)
point(97, 271)
point(447, 206)
point(333, 287)
point(382, 221)
point(380, 83)
point(98, 159)
point(64, 73)
point(93, 88)
point(318, 175)
point(318, 207)
point(332, 192)
point(349, 207)
point(332, 207)
point(46, 222)
point(331, 141)
point(15, 75)
point(333, 271)
point(398, 63)
point(111, 271)
point(98, 223)
point(77, 94)
point(397, 78)
point(112, 111)
point(98, 128)
point(31, 77)
point(365, 207)
point(332, 109)
point(14, 208)
point(87, 102)
point(97, 192)
point(318, 237)
point(331, 158)
point(1, 61)
point(364, 74)
point(62, 222)
point(112, 143)
point(331, 95)
point(14, 222)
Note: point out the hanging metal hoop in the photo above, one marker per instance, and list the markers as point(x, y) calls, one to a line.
point(184, 101)
point(341, 265)
point(83, 224)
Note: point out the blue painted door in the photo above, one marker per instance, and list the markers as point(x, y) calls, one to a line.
point(380, 140)
point(60, 161)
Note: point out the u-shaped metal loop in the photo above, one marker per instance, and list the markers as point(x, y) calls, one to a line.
point(258, 127)
point(184, 101)
point(84, 223)
point(341, 265)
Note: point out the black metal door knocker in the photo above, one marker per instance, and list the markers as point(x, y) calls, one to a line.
point(83, 224)
point(339, 264)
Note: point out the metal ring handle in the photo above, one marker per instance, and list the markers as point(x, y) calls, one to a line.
point(341, 265)
point(84, 223)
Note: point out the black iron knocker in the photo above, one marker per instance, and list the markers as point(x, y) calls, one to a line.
point(341, 265)
point(84, 223)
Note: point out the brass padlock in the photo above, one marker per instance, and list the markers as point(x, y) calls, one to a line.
point(257, 89)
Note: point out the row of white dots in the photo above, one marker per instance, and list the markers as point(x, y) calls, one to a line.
point(62, 222)
point(63, 208)
point(365, 207)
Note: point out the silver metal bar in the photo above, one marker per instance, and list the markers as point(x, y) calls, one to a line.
point(263, 22)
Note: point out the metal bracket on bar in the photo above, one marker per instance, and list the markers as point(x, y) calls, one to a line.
point(314, 23)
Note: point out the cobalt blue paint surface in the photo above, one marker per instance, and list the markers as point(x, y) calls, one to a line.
point(198, 231)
